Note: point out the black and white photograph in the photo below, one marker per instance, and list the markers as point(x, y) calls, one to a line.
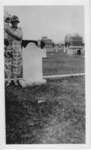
point(44, 74)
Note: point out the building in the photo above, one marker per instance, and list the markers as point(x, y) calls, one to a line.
point(48, 42)
point(74, 45)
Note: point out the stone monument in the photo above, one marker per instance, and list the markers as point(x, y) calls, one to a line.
point(32, 65)
point(44, 53)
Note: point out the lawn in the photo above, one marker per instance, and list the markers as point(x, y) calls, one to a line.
point(61, 63)
point(60, 117)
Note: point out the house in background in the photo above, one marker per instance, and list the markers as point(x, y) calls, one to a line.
point(74, 45)
point(49, 44)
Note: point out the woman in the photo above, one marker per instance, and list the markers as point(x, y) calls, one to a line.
point(7, 49)
point(15, 33)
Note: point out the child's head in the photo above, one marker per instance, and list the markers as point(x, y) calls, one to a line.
point(7, 17)
point(8, 20)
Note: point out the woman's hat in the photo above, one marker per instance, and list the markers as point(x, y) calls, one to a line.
point(15, 19)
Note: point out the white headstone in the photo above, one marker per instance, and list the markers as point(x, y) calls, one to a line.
point(32, 65)
point(44, 53)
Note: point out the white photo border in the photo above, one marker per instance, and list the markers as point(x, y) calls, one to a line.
point(86, 4)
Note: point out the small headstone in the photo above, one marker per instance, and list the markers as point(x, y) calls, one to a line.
point(32, 65)
point(44, 53)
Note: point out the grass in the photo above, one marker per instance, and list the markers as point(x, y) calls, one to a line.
point(61, 63)
point(60, 118)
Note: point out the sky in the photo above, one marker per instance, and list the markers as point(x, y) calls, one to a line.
point(51, 21)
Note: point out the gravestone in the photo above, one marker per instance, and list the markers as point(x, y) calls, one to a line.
point(32, 65)
point(44, 53)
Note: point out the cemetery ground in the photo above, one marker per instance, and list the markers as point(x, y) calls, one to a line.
point(60, 117)
point(61, 63)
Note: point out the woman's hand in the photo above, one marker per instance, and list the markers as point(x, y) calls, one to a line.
point(15, 34)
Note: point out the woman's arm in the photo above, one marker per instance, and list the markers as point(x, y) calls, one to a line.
point(17, 34)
